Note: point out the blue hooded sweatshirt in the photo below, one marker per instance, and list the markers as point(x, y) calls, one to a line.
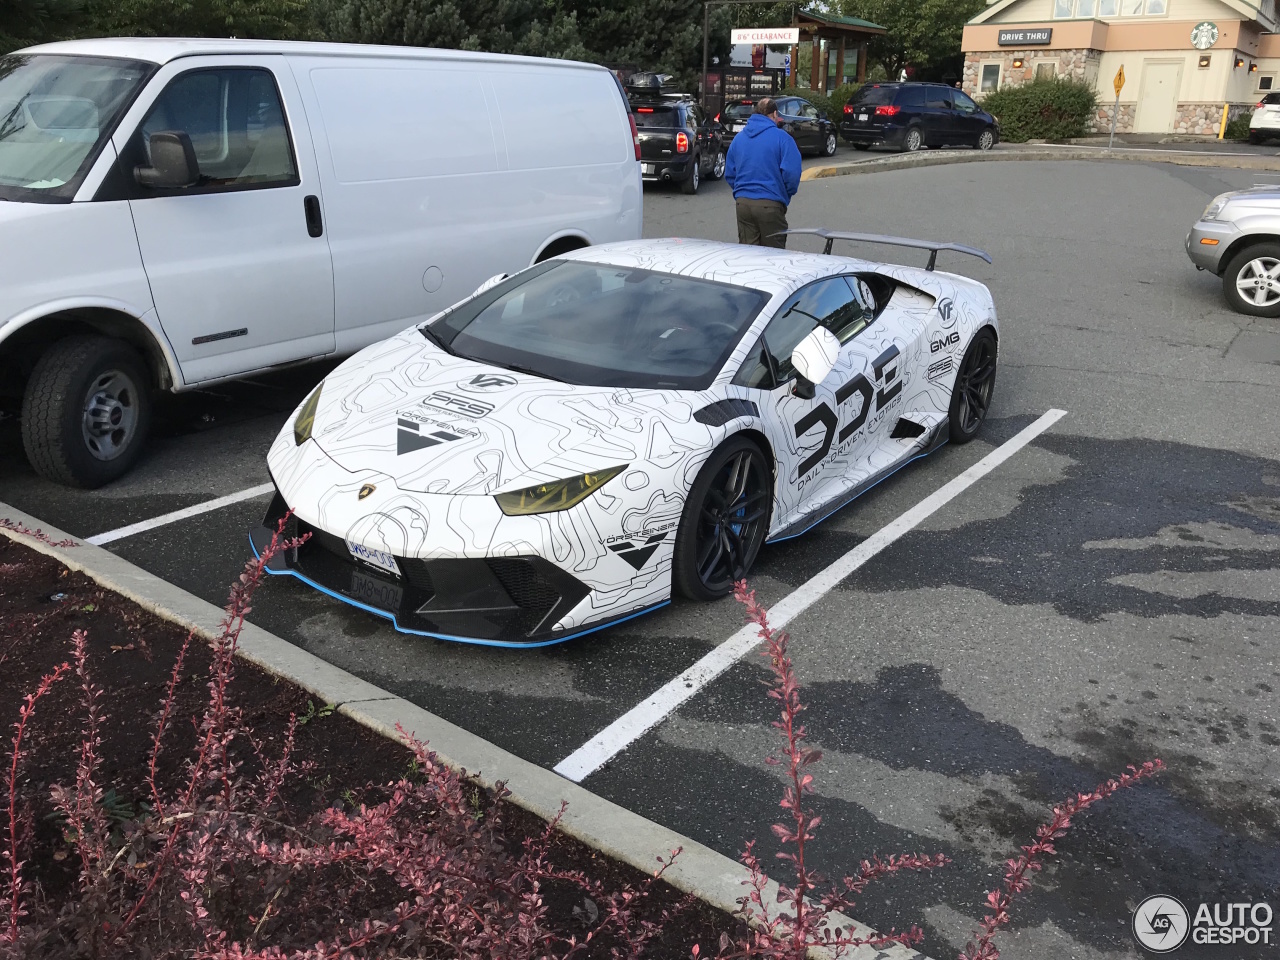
point(763, 162)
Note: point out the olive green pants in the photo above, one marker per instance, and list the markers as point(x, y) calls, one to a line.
point(760, 222)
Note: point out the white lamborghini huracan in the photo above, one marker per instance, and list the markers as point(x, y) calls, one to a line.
point(571, 445)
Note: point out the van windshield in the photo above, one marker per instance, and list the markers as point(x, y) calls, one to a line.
point(56, 113)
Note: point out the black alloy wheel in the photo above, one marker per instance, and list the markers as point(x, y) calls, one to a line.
point(975, 383)
point(694, 180)
point(724, 523)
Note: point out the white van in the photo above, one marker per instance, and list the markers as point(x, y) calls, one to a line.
point(187, 211)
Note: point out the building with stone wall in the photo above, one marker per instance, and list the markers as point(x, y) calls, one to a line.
point(1184, 60)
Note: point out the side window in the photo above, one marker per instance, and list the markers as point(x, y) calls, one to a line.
point(938, 98)
point(963, 102)
point(809, 111)
point(910, 97)
point(691, 118)
point(832, 303)
point(236, 124)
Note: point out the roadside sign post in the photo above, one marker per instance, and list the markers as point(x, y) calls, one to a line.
point(1222, 127)
point(1115, 111)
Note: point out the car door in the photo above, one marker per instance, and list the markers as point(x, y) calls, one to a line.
point(239, 267)
point(812, 125)
point(970, 120)
point(811, 437)
point(793, 122)
point(939, 116)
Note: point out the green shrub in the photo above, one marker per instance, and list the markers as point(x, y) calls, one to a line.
point(840, 96)
point(1238, 128)
point(1049, 108)
point(817, 98)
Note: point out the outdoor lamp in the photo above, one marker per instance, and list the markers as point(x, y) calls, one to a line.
point(1253, 68)
point(1017, 64)
point(1204, 61)
point(1239, 61)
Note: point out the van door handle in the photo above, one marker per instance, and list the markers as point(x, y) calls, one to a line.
point(315, 223)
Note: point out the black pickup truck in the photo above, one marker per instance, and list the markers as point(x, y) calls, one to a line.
point(679, 143)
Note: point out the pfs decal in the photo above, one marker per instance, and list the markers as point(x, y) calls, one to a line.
point(463, 406)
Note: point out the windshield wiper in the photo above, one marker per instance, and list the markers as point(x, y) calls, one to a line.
point(435, 338)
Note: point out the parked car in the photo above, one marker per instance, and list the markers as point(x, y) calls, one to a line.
point(1237, 238)
point(574, 445)
point(914, 115)
point(189, 211)
point(1265, 122)
point(813, 131)
point(679, 142)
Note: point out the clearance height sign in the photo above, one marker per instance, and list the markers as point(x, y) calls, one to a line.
point(758, 35)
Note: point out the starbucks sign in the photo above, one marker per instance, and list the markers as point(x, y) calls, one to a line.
point(1204, 35)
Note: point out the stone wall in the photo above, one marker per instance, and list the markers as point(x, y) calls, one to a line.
point(1204, 118)
point(1071, 63)
point(1101, 122)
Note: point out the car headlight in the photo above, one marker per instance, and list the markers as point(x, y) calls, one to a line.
point(306, 418)
point(557, 495)
point(1212, 210)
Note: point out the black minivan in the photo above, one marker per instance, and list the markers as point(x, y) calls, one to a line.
point(914, 115)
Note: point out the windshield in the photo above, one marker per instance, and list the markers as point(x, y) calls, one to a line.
point(739, 111)
point(601, 325)
point(873, 95)
point(56, 112)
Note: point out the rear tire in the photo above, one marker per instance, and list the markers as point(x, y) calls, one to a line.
point(86, 411)
point(986, 139)
point(912, 140)
point(829, 145)
point(717, 169)
point(1254, 137)
point(975, 384)
point(719, 540)
point(691, 183)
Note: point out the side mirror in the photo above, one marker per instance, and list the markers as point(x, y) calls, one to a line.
point(173, 162)
point(490, 284)
point(814, 358)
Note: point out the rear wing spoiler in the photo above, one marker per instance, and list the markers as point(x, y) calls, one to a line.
point(832, 235)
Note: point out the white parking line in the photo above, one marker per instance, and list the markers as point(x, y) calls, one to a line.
point(142, 526)
point(633, 724)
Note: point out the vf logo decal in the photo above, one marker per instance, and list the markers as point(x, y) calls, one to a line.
point(886, 389)
point(946, 306)
point(486, 382)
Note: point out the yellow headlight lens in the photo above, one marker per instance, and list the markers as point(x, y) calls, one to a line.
point(558, 495)
point(306, 418)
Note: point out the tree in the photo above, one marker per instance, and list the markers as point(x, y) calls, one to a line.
point(261, 19)
point(922, 34)
point(25, 22)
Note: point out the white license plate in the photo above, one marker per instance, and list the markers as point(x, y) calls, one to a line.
point(376, 558)
point(375, 592)
point(646, 168)
point(862, 117)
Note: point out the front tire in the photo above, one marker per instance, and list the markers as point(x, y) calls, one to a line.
point(1251, 281)
point(724, 522)
point(86, 411)
point(829, 145)
point(975, 384)
point(717, 169)
point(691, 183)
point(912, 140)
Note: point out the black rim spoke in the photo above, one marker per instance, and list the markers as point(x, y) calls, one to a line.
point(732, 526)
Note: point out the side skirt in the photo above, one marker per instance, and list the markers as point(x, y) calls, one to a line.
point(815, 517)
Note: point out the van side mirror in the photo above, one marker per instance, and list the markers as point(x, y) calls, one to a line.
point(173, 162)
point(814, 358)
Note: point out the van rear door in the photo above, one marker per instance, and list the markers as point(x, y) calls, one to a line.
point(238, 261)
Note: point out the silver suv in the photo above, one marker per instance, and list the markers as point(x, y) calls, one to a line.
point(1238, 239)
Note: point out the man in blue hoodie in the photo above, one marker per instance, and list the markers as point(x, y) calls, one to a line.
point(763, 168)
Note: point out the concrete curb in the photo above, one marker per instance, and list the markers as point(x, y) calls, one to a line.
point(595, 821)
point(908, 161)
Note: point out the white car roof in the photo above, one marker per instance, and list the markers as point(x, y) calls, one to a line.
point(761, 268)
point(162, 50)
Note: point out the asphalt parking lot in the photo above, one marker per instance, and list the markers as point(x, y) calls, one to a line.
point(1109, 594)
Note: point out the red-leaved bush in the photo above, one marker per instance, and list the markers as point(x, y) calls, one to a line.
point(216, 868)
point(802, 922)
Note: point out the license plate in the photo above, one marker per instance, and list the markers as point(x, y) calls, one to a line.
point(646, 168)
point(862, 118)
point(376, 558)
point(375, 592)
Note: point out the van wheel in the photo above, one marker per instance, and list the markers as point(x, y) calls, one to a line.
point(913, 140)
point(694, 180)
point(986, 139)
point(86, 411)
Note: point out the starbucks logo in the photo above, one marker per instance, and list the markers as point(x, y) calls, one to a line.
point(1204, 35)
